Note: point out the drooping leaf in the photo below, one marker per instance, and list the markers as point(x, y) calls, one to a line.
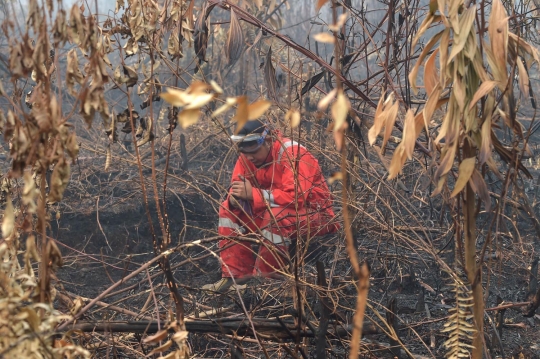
point(397, 162)
point(340, 22)
point(485, 149)
point(320, 4)
point(59, 181)
point(409, 134)
point(336, 176)
point(378, 121)
point(257, 109)
point(482, 91)
point(8, 222)
point(188, 117)
point(423, 54)
point(478, 185)
point(324, 37)
point(231, 101)
point(431, 77)
point(159, 336)
point(523, 79)
point(312, 82)
point(270, 77)
point(235, 39)
point(325, 101)
point(339, 110)
point(242, 113)
point(465, 25)
point(498, 37)
point(293, 117)
point(390, 115)
point(466, 168)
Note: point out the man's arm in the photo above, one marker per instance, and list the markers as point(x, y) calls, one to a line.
point(292, 188)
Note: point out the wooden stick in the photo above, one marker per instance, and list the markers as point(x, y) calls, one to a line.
point(238, 326)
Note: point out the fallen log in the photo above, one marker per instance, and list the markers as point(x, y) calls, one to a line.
point(269, 328)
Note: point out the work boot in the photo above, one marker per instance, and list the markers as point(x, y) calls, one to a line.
point(225, 285)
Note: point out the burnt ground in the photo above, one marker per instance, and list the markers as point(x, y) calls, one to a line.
point(104, 240)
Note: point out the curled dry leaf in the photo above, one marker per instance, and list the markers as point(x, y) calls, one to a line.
point(523, 79)
point(498, 37)
point(483, 90)
point(180, 336)
point(159, 336)
point(325, 38)
point(230, 102)
point(242, 113)
point(478, 185)
point(466, 168)
point(320, 4)
point(341, 21)
point(293, 117)
point(340, 110)
point(270, 77)
point(235, 39)
point(409, 134)
point(336, 176)
point(59, 181)
point(217, 89)
point(189, 117)
point(257, 109)
point(325, 101)
point(397, 163)
point(30, 193)
point(8, 222)
point(161, 348)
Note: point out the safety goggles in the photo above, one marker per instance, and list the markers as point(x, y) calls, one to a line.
point(250, 143)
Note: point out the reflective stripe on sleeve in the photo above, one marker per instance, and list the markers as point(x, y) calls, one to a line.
point(228, 223)
point(286, 145)
point(267, 195)
point(274, 238)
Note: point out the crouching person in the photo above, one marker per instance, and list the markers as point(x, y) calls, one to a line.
point(278, 192)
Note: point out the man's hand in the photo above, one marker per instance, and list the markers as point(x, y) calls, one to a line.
point(242, 189)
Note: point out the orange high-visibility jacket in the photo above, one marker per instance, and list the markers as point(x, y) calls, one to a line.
point(292, 175)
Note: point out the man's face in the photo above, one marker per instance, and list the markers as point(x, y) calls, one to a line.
point(259, 157)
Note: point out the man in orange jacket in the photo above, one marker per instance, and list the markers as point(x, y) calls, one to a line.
point(277, 192)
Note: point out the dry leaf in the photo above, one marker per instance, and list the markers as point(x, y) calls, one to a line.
point(231, 101)
point(8, 223)
point(242, 113)
point(293, 117)
point(482, 91)
point(161, 348)
point(523, 79)
point(339, 110)
point(175, 97)
point(431, 77)
point(257, 109)
point(341, 21)
point(199, 100)
point(336, 176)
point(270, 77)
point(390, 115)
point(466, 168)
point(217, 89)
point(324, 37)
point(235, 40)
point(159, 336)
point(479, 187)
point(189, 117)
point(398, 160)
point(378, 121)
point(409, 134)
point(320, 4)
point(325, 101)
